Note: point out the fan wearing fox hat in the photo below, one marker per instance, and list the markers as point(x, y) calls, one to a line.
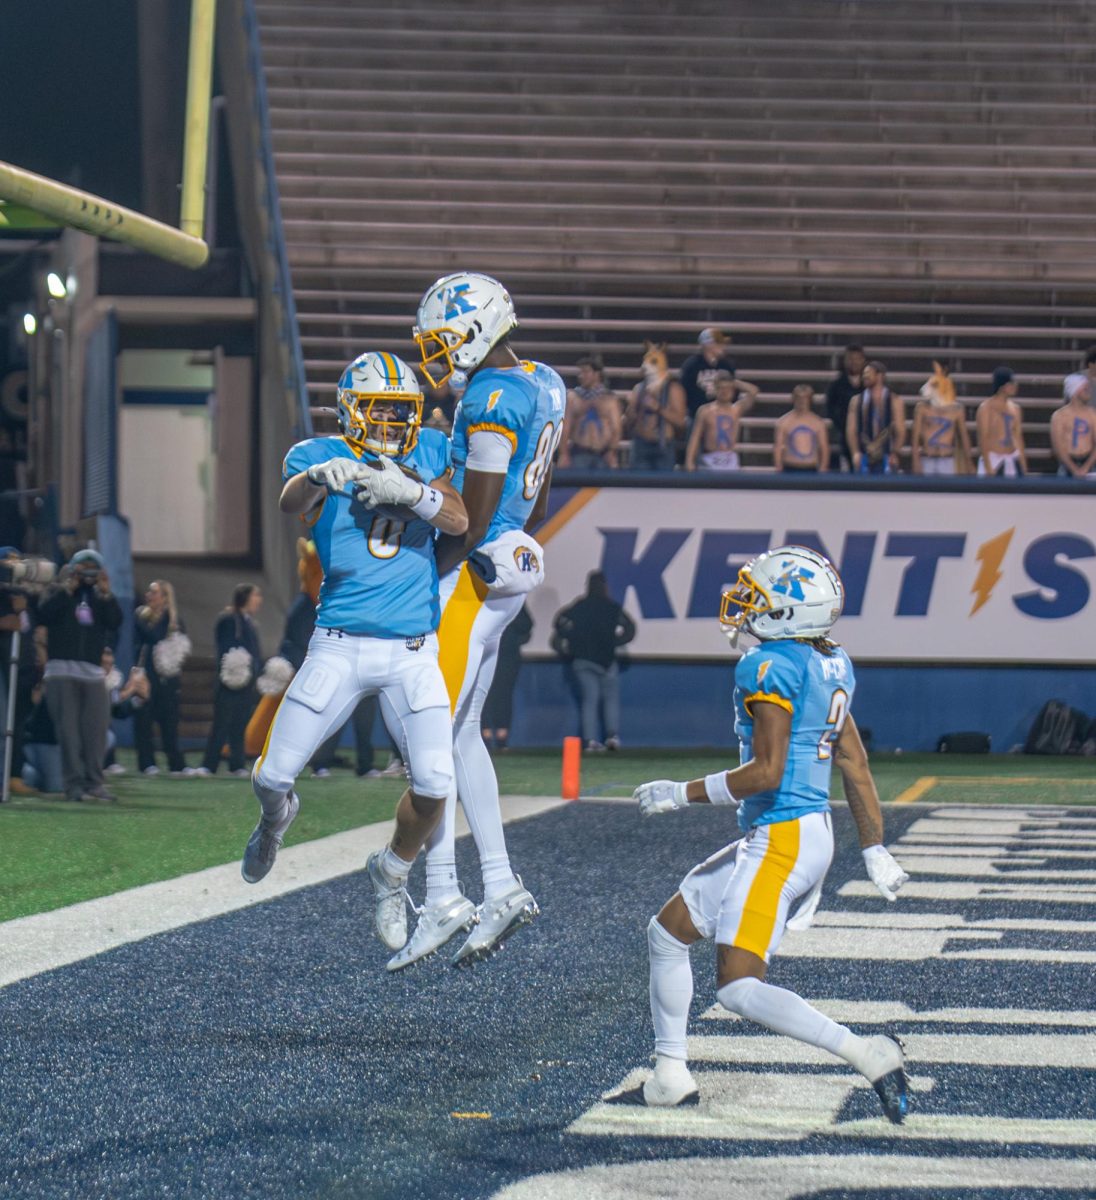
point(940, 442)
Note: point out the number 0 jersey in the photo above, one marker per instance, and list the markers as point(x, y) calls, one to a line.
point(380, 578)
point(817, 690)
point(525, 404)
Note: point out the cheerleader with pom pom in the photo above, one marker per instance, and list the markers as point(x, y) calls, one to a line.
point(238, 659)
point(162, 649)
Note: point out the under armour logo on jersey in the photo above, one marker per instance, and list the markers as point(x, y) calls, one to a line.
point(790, 583)
point(526, 560)
point(493, 399)
point(455, 302)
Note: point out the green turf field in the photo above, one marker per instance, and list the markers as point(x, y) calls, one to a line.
point(55, 853)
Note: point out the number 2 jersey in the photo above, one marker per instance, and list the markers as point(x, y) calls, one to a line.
point(817, 690)
point(380, 577)
point(525, 405)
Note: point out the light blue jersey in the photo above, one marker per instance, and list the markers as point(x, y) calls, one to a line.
point(525, 403)
point(380, 578)
point(817, 690)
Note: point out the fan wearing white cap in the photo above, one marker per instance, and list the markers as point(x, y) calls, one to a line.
point(1073, 428)
point(793, 693)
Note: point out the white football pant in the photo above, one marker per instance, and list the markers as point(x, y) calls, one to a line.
point(742, 894)
point(339, 670)
point(472, 623)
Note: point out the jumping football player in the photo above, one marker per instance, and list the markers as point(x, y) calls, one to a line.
point(792, 698)
point(373, 523)
point(505, 434)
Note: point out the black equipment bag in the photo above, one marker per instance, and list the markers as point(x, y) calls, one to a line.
point(1058, 729)
point(963, 743)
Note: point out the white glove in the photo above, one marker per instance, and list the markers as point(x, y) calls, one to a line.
point(659, 796)
point(336, 473)
point(884, 871)
point(388, 486)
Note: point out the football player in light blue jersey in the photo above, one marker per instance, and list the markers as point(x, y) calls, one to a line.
point(505, 434)
point(792, 698)
point(374, 498)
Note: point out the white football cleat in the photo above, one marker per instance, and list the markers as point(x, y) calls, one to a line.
point(497, 920)
point(391, 915)
point(437, 923)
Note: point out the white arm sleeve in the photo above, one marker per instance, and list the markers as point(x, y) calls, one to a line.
point(489, 452)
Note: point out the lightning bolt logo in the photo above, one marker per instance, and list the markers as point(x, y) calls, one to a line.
point(493, 399)
point(763, 670)
point(991, 555)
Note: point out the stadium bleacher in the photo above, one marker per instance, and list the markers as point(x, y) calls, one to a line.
point(920, 183)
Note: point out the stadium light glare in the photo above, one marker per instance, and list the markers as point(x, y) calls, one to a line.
point(55, 285)
point(30, 323)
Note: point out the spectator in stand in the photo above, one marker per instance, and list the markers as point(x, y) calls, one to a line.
point(1088, 366)
point(443, 403)
point(498, 711)
point(592, 425)
point(876, 426)
point(801, 444)
point(589, 633)
point(162, 649)
point(713, 444)
point(698, 372)
point(838, 398)
point(80, 616)
point(1073, 429)
point(656, 416)
point(238, 659)
point(1000, 433)
point(940, 444)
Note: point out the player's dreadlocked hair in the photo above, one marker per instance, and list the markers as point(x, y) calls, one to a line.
point(823, 645)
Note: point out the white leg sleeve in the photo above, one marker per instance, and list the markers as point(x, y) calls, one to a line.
point(441, 854)
point(671, 990)
point(477, 784)
point(782, 1012)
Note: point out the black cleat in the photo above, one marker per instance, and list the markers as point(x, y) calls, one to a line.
point(893, 1088)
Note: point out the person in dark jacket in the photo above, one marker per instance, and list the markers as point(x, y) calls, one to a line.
point(238, 664)
point(838, 398)
point(158, 624)
point(589, 632)
point(81, 618)
point(498, 711)
point(699, 370)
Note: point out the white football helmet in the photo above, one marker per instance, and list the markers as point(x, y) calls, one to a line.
point(790, 592)
point(380, 404)
point(461, 319)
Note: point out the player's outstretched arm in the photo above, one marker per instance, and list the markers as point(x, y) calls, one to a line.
point(301, 495)
point(863, 798)
point(763, 773)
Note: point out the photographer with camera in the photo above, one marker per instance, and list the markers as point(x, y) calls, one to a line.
point(81, 617)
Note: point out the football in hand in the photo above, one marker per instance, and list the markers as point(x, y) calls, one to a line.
point(395, 512)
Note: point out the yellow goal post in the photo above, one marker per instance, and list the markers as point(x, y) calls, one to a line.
point(81, 210)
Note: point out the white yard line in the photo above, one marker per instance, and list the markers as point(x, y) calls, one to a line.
point(45, 941)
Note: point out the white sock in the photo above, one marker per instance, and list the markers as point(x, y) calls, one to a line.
point(671, 991)
point(783, 1012)
point(397, 869)
point(441, 854)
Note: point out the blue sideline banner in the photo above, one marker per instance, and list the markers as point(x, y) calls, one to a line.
point(933, 577)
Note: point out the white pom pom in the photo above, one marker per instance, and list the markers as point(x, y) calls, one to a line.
point(236, 669)
point(113, 679)
point(169, 654)
point(276, 675)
